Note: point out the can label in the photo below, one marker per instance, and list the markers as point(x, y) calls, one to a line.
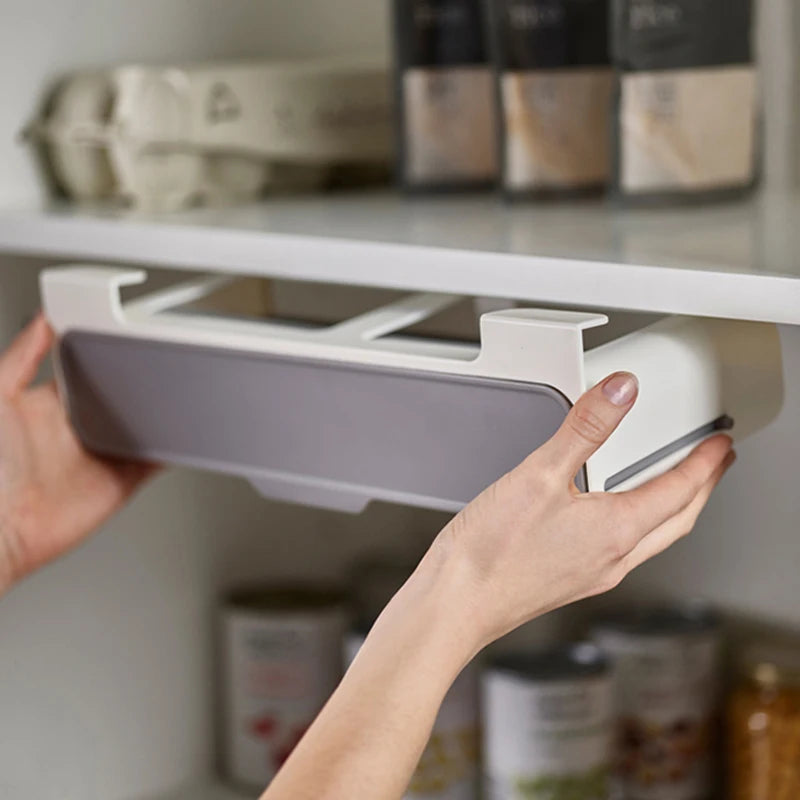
point(551, 739)
point(278, 671)
point(448, 768)
point(667, 699)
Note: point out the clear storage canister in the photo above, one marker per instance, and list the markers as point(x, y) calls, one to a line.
point(764, 727)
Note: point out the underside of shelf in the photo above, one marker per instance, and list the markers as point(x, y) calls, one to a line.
point(738, 261)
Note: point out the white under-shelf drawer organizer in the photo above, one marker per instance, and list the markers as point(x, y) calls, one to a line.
point(359, 411)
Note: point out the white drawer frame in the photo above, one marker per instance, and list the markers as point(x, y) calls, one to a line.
point(695, 374)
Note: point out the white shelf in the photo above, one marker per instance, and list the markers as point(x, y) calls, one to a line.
point(739, 260)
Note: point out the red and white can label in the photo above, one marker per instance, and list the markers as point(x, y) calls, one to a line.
point(278, 673)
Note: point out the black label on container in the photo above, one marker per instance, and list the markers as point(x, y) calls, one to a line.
point(550, 34)
point(432, 33)
point(680, 34)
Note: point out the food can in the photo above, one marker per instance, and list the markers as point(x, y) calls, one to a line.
point(448, 768)
point(667, 675)
point(281, 661)
point(548, 725)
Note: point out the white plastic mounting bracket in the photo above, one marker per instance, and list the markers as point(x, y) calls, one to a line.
point(534, 346)
point(529, 345)
point(539, 346)
point(91, 293)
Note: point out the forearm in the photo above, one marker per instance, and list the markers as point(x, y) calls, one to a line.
point(368, 739)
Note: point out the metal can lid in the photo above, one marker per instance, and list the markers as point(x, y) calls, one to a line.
point(283, 599)
point(687, 620)
point(569, 662)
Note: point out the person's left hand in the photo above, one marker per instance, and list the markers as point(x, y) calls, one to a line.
point(52, 492)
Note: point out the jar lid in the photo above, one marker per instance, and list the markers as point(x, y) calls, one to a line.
point(581, 660)
point(689, 619)
point(772, 664)
point(284, 598)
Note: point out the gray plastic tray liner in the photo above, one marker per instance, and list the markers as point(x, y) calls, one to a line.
point(316, 432)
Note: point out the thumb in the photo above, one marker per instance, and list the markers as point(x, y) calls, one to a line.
point(589, 424)
point(21, 361)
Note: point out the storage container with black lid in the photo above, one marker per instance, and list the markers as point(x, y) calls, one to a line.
point(687, 111)
point(445, 95)
point(555, 86)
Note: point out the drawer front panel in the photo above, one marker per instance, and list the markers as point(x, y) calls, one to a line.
point(398, 435)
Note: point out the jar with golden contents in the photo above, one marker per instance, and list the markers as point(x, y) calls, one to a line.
point(764, 727)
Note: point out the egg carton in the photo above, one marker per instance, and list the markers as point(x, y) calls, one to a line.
point(168, 137)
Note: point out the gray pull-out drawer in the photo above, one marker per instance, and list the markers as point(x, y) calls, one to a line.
point(348, 432)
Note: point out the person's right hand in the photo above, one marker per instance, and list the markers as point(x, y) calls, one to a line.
point(532, 542)
point(528, 544)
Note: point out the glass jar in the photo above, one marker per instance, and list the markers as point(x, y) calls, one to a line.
point(764, 727)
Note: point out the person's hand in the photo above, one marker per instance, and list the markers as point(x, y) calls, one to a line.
point(532, 542)
point(52, 492)
point(528, 544)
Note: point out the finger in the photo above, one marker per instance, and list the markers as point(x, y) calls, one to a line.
point(664, 497)
point(680, 525)
point(589, 424)
point(21, 361)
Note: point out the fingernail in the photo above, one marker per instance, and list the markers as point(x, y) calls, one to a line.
point(621, 389)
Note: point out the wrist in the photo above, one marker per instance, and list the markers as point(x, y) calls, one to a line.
point(437, 601)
